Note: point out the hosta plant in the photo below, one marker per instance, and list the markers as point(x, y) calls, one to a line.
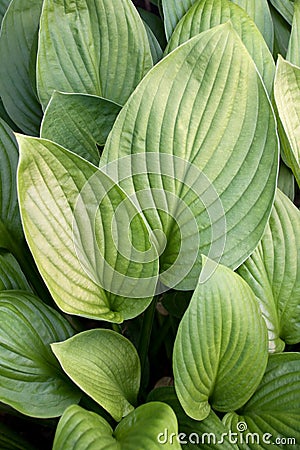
point(149, 227)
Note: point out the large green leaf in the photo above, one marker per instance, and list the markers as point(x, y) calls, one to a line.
point(105, 365)
point(173, 11)
point(205, 14)
point(271, 416)
point(91, 47)
point(285, 8)
point(79, 429)
point(287, 97)
point(293, 53)
point(207, 434)
point(90, 244)
point(79, 122)
point(10, 223)
point(18, 34)
point(31, 380)
point(196, 146)
point(273, 273)
point(220, 351)
point(282, 31)
point(260, 13)
point(11, 275)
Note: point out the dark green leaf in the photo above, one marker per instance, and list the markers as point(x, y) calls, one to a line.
point(282, 31)
point(11, 275)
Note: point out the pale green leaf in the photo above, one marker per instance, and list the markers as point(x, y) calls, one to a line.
point(286, 181)
point(206, 14)
point(11, 275)
point(206, 434)
point(273, 273)
point(89, 243)
point(271, 416)
point(19, 30)
point(220, 352)
point(293, 53)
point(282, 32)
point(99, 48)
point(105, 365)
point(31, 380)
point(79, 122)
point(173, 11)
point(285, 8)
point(79, 429)
point(10, 223)
point(260, 13)
point(196, 147)
point(287, 97)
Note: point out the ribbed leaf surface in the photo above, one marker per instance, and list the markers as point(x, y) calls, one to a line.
point(285, 8)
point(173, 11)
point(11, 275)
point(293, 53)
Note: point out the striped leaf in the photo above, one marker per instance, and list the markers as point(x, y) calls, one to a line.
point(173, 11)
point(273, 273)
point(81, 49)
point(220, 352)
point(285, 8)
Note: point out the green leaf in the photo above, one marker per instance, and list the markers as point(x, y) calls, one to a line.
point(99, 48)
point(155, 48)
point(293, 53)
point(285, 8)
point(273, 273)
point(10, 222)
point(260, 13)
point(287, 97)
point(31, 380)
point(207, 434)
point(220, 351)
point(206, 14)
point(173, 11)
point(105, 365)
point(73, 216)
point(282, 31)
point(79, 122)
point(6, 118)
point(3, 7)
point(286, 181)
point(273, 411)
point(19, 30)
point(11, 275)
point(156, 25)
point(206, 179)
point(10, 440)
point(80, 429)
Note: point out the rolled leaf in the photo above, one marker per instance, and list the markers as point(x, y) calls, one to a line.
point(287, 97)
point(206, 14)
point(220, 352)
point(31, 379)
point(273, 273)
point(18, 34)
point(105, 365)
point(78, 429)
point(195, 180)
point(74, 216)
point(271, 417)
point(81, 49)
point(79, 123)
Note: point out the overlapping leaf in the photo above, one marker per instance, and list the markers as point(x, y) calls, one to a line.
point(89, 242)
point(18, 34)
point(79, 122)
point(220, 351)
point(98, 48)
point(202, 150)
point(31, 380)
point(105, 365)
point(282, 31)
point(273, 273)
point(287, 97)
point(293, 53)
point(78, 429)
point(205, 14)
point(260, 13)
point(173, 11)
point(11, 275)
point(3, 7)
point(272, 413)
point(285, 8)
